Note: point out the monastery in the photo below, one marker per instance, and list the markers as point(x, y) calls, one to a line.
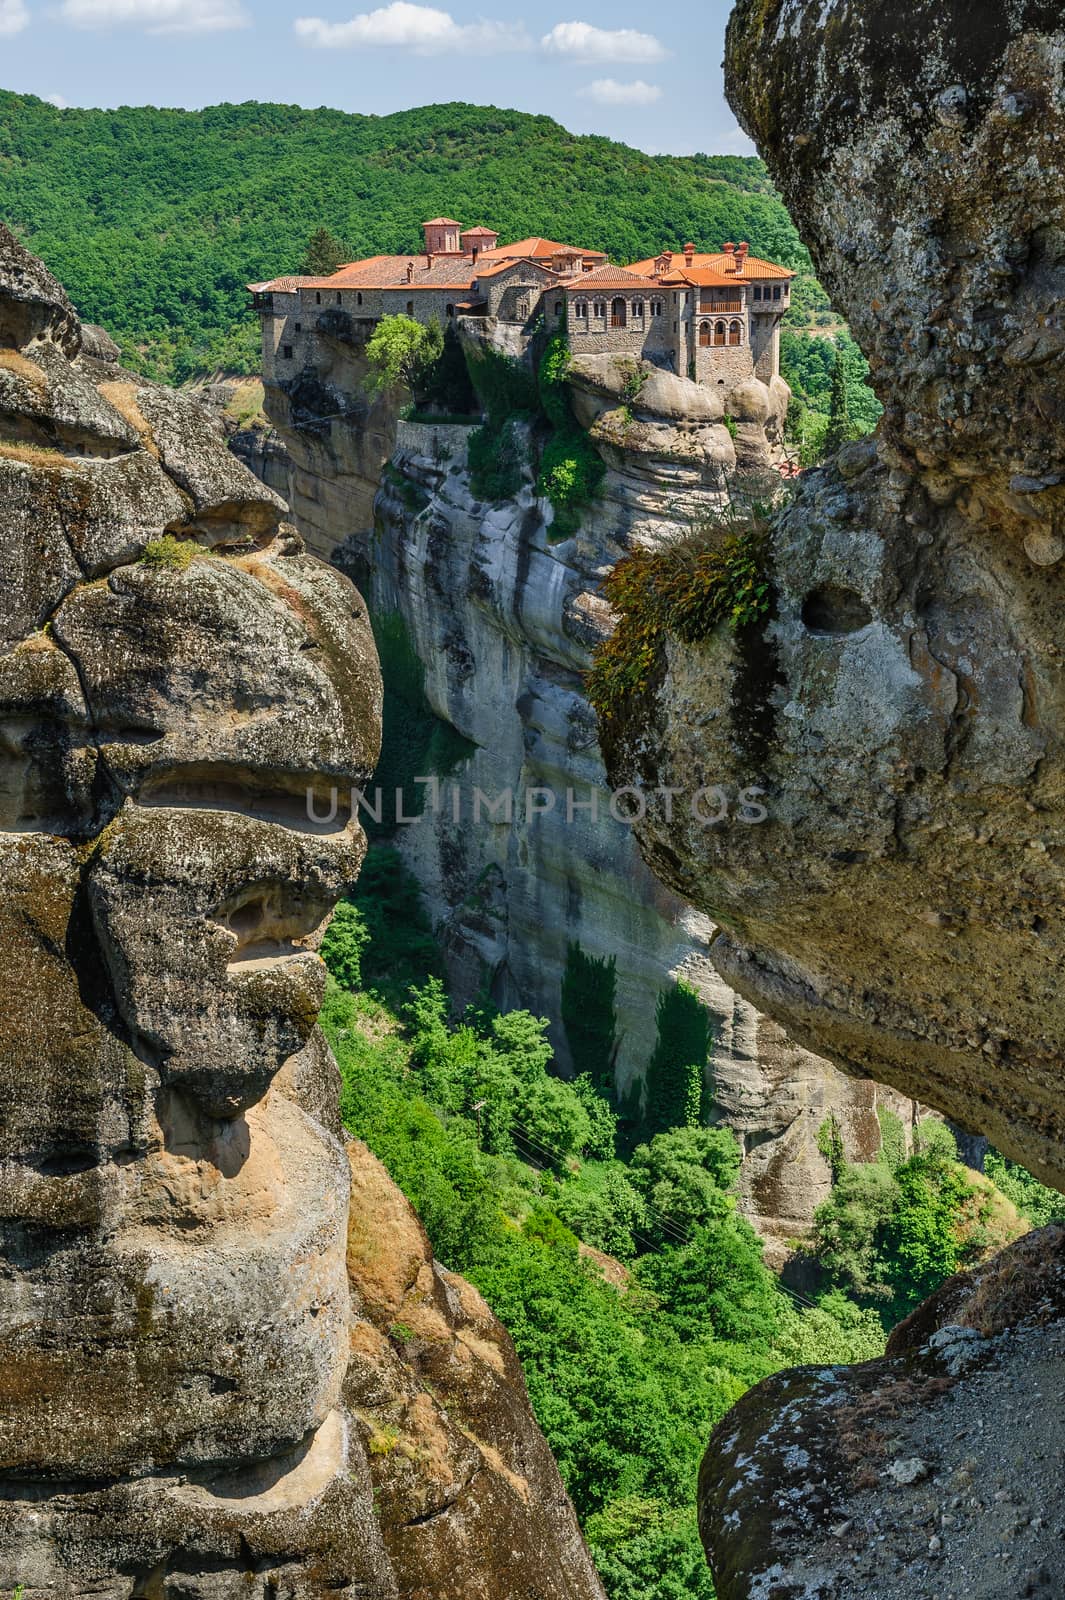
point(711, 317)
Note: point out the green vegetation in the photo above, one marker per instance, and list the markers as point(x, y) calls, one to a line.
point(324, 254)
point(1033, 1199)
point(831, 401)
point(415, 742)
point(174, 555)
point(675, 1075)
point(402, 351)
point(589, 1015)
point(571, 469)
point(509, 1167)
point(156, 219)
point(894, 1228)
point(717, 574)
point(496, 458)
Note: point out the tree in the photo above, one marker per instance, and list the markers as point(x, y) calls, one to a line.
point(401, 351)
point(324, 254)
point(589, 1016)
point(342, 948)
point(685, 1175)
point(678, 1062)
point(840, 426)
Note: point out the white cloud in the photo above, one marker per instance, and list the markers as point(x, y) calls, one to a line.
point(609, 92)
point(579, 41)
point(156, 16)
point(57, 101)
point(13, 17)
point(425, 30)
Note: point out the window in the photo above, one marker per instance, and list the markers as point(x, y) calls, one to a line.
point(735, 335)
point(523, 308)
point(338, 297)
point(656, 308)
point(600, 309)
point(286, 351)
point(558, 308)
point(705, 333)
point(637, 310)
point(776, 291)
point(318, 298)
point(410, 308)
point(618, 313)
point(297, 327)
point(719, 333)
point(580, 310)
point(757, 292)
point(449, 311)
point(358, 298)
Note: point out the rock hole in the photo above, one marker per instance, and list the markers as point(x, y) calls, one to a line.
point(832, 609)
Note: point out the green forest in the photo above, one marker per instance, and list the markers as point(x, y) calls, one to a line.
point(156, 219)
point(519, 1175)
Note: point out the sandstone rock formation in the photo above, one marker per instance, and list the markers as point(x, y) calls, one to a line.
point(200, 1286)
point(901, 910)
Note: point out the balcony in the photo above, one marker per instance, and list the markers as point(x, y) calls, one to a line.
point(724, 308)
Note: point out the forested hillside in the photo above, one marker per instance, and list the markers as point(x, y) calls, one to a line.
point(155, 219)
point(636, 1295)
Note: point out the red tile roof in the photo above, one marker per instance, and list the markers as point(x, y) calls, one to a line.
point(754, 267)
point(441, 222)
point(539, 248)
point(607, 277)
point(479, 233)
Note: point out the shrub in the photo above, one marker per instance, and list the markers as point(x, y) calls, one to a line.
point(571, 471)
point(346, 938)
point(715, 575)
point(496, 459)
point(170, 554)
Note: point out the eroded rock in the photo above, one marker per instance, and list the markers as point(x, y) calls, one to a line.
point(186, 1409)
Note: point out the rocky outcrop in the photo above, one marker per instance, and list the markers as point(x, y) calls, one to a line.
point(201, 1293)
point(934, 1471)
point(900, 910)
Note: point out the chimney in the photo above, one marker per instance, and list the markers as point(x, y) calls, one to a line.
point(729, 251)
point(428, 259)
point(743, 251)
point(410, 271)
point(689, 252)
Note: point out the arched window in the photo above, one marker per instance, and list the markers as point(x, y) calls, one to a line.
point(705, 333)
point(338, 297)
point(719, 333)
point(618, 313)
point(735, 335)
point(449, 311)
point(318, 298)
point(600, 309)
point(558, 308)
point(656, 308)
point(580, 310)
point(358, 298)
point(637, 310)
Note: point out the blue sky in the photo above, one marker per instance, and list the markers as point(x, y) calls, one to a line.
point(633, 72)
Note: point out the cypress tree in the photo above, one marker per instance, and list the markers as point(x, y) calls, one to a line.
point(677, 1066)
point(840, 427)
point(324, 254)
point(589, 1015)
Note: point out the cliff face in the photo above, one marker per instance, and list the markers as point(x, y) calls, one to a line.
point(200, 1281)
point(901, 909)
point(502, 615)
